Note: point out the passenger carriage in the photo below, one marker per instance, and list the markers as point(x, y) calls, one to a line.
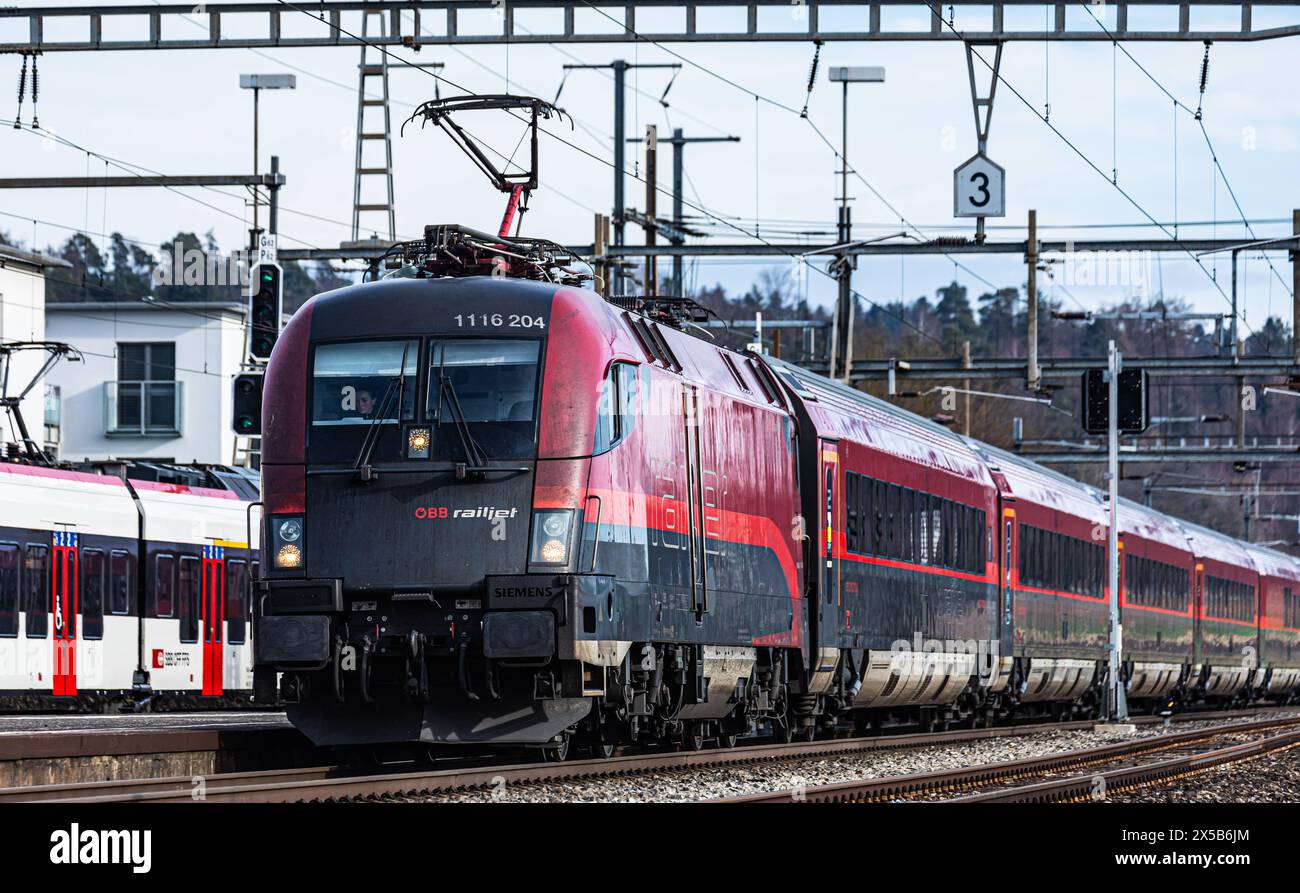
point(115, 590)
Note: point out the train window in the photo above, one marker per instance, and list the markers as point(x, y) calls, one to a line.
point(120, 580)
point(187, 598)
point(923, 527)
point(617, 408)
point(9, 579)
point(164, 586)
point(947, 536)
point(236, 601)
point(490, 385)
point(852, 531)
point(894, 497)
point(355, 383)
point(92, 593)
point(909, 524)
point(36, 572)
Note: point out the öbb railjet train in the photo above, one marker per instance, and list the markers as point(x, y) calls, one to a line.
point(512, 512)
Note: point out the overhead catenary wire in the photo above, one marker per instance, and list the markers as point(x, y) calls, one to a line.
point(1092, 164)
point(1198, 116)
point(607, 162)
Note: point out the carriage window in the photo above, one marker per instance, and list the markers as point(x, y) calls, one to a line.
point(92, 593)
point(617, 406)
point(164, 586)
point(358, 382)
point(36, 570)
point(187, 598)
point(9, 589)
point(236, 601)
point(119, 582)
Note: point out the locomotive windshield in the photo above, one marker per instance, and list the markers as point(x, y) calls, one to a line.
point(492, 384)
point(486, 388)
point(357, 383)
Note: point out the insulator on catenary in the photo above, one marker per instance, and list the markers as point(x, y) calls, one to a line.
point(812, 76)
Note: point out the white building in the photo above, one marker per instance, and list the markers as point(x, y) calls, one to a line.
point(22, 320)
point(156, 381)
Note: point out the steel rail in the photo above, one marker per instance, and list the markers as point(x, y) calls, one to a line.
point(1098, 786)
point(324, 783)
point(898, 787)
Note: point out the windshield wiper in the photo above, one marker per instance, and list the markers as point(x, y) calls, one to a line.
point(474, 454)
point(396, 387)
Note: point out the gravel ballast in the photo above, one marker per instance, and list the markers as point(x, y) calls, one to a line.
point(688, 785)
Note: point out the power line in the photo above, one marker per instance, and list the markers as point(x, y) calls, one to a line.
point(1088, 161)
point(1199, 118)
point(610, 164)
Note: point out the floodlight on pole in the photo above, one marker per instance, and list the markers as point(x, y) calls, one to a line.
point(842, 324)
point(257, 83)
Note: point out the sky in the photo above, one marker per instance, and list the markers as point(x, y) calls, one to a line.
point(182, 112)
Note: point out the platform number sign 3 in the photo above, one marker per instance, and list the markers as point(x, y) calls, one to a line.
point(979, 189)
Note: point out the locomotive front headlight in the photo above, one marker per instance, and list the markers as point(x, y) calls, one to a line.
point(417, 443)
point(288, 544)
point(551, 530)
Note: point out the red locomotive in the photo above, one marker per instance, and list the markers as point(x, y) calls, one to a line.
point(500, 508)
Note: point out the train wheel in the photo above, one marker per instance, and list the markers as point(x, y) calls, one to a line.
point(727, 739)
point(600, 751)
point(692, 736)
point(557, 751)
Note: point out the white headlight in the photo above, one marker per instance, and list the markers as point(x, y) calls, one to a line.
point(291, 530)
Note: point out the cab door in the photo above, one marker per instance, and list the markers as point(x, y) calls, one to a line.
point(692, 422)
point(64, 604)
point(212, 613)
point(1008, 566)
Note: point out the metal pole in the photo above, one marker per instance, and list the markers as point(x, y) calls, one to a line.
point(620, 71)
point(844, 273)
point(1295, 289)
point(598, 250)
point(256, 194)
point(651, 206)
point(679, 148)
point(1232, 332)
point(1031, 293)
point(274, 222)
point(1118, 708)
point(965, 361)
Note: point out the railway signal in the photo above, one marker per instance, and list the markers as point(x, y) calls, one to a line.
point(265, 303)
point(1134, 400)
point(247, 414)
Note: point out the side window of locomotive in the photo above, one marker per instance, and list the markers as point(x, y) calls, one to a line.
point(489, 385)
point(236, 601)
point(36, 571)
point(92, 593)
point(358, 382)
point(164, 586)
point(617, 406)
point(187, 598)
point(9, 578)
point(119, 582)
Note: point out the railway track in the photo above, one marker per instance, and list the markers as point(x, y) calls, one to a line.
point(1067, 776)
point(335, 783)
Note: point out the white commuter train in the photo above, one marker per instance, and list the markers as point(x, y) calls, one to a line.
point(120, 590)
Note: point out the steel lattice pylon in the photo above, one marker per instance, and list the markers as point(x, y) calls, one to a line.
point(368, 71)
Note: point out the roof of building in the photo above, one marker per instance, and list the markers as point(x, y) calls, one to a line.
point(10, 254)
point(236, 307)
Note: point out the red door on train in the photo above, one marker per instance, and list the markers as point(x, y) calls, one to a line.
point(64, 597)
point(213, 617)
